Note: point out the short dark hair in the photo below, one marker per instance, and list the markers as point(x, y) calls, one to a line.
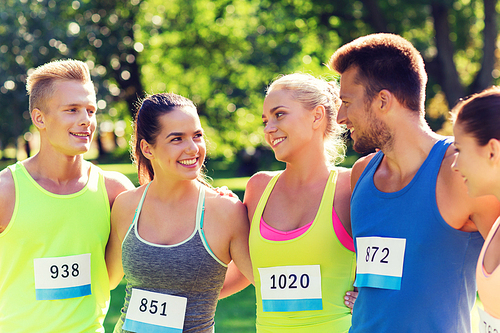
point(479, 115)
point(385, 61)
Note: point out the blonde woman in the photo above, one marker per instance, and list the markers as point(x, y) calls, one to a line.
point(300, 238)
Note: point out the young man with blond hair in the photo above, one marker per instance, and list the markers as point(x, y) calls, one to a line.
point(55, 213)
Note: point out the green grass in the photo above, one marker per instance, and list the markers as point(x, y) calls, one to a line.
point(128, 169)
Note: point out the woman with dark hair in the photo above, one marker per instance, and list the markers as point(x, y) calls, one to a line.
point(477, 141)
point(173, 236)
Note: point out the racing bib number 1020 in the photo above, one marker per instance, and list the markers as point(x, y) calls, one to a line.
point(62, 277)
point(379, 262)
point(291, 288)
point(487, 323)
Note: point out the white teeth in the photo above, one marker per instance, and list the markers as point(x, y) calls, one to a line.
point(275, 142)
point(188, 162)
point(80, 134)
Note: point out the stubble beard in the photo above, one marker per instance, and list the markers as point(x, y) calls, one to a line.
point(377, 136)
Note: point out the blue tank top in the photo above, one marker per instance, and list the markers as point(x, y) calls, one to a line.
point(430, 286)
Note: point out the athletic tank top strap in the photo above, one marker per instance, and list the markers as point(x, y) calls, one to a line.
point(186, 269)
point(200, 220)
point(408, 222)
point(263, 199)
point(317, 248)
point(429, 169)
point(488, 284)
point(200, 216)
point(55, 230)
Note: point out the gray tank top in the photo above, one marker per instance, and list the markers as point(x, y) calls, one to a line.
point(188, 269)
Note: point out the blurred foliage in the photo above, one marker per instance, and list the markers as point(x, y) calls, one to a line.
point(223, 53)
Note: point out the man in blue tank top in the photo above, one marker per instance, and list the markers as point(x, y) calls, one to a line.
point(417, 232)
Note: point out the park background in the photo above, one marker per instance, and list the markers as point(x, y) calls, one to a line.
point(222, 54)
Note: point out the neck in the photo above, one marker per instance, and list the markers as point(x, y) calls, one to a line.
point(412, 141)
point(306, 169)
point(56, 167)
point(168, 190)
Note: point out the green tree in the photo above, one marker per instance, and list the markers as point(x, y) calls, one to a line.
point(98, 32)
point(223, 53)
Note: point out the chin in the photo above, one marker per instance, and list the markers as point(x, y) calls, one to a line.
point(279, 158)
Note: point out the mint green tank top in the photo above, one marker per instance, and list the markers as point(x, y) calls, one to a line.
point(300, 283)
point(53, 276)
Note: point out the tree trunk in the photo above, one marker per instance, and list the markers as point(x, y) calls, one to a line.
point(376, 18)
point(447, 74)
point(484, 78)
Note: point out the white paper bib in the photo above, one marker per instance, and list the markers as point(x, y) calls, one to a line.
point(487, 323)
point(155, 312)
point(379, 262)
point(62, 277)
point(291, 288)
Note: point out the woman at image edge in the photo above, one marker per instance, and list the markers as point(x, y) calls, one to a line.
point(477, 141)
point(176, 234)
point(300, 236)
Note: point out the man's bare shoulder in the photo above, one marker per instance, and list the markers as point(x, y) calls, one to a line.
point(7, 197)
point(358, 168)
point(116, 183)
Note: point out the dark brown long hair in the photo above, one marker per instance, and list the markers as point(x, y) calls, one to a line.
point(147, 127)
point(480, 115)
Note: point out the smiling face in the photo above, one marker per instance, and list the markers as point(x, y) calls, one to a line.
point(68, 119)
point(286, 124)
point(180, 147)
point(473, 163)
point(367, 131)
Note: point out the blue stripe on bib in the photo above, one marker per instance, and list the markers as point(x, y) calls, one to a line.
point(63, 293)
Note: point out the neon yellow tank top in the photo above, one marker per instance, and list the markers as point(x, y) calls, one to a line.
point(300, 283)
point(53, 276)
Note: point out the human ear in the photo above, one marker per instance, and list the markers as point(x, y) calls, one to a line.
point(319, 114)
point(38, 118)
point(385, 98)
point(494, 151)
point(146, 149)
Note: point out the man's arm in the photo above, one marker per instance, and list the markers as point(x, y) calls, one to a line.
point(7, 198)
point(358, 168)
point(116, 183)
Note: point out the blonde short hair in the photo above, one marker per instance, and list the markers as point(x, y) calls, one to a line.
point(40, 83)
